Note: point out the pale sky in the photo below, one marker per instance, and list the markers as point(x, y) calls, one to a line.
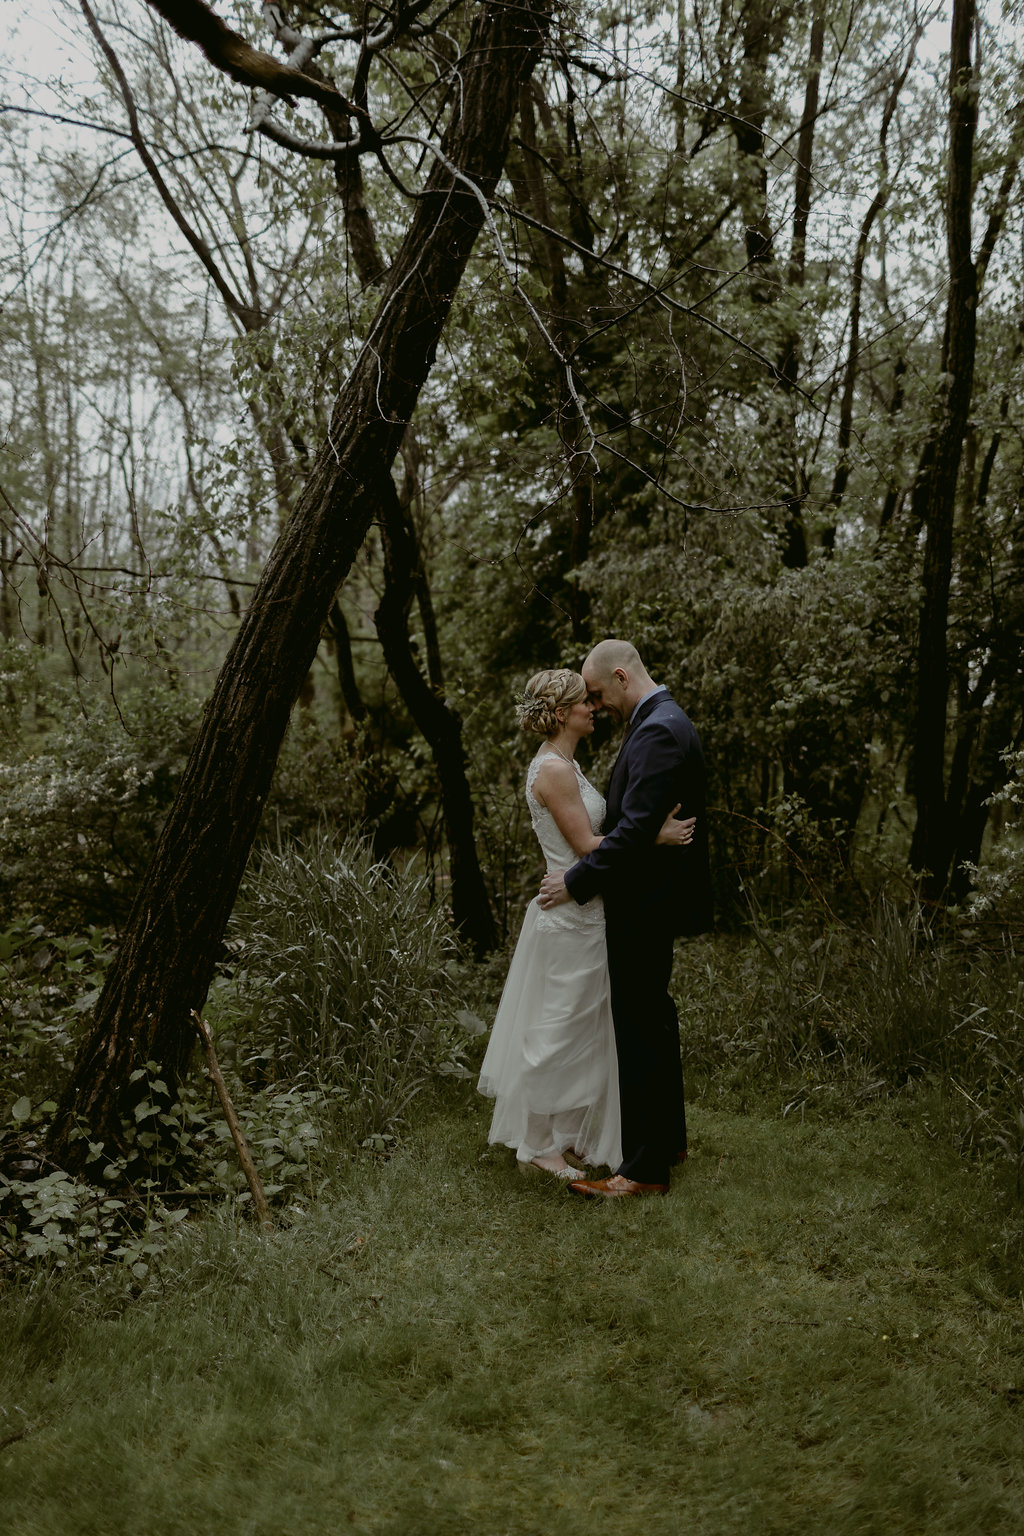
point(43, 38)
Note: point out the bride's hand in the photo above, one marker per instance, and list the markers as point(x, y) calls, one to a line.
point(676, 834)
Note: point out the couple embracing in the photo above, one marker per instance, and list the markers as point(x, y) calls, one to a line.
point(584, 1054)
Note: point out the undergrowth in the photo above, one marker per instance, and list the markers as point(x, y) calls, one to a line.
point(346, 976)
point(340, 1004)
point(900, 1009)
point(345, 996)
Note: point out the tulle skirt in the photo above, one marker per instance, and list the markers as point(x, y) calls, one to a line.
point(550, 1064)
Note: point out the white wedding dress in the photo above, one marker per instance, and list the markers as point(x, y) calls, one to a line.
point(550, 1063)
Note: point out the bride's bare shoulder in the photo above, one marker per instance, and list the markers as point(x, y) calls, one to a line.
point(553, 765)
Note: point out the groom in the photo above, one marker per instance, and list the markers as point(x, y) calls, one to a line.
point(651, 894)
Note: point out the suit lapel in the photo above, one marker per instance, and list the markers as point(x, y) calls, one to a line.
point(616, 782)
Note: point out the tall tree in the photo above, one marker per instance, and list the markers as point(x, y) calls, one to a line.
point(165, 963)
point(934, 496)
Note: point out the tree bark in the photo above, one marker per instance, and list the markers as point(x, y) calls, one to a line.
point(679, 102)
point(764, 25)
point(405, 577)
point(166, 961)
point(411, 496)
point(895, 492)
point(348, 175)
point(1000, 731)
point(440, 726)
point(7, 596)
point(794, 547)
point(337, 631)
point(805, 148)
point(934, 496)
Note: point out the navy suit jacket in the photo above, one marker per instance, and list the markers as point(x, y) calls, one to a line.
point(643, 885)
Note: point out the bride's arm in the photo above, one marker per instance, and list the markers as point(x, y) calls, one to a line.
point(557, 787)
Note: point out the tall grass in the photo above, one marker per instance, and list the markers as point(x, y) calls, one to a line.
point(897, 1007)
point(345, 978)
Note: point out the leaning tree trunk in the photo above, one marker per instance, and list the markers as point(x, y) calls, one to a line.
point(164, 966)
point(934, 498)
point(405, 576)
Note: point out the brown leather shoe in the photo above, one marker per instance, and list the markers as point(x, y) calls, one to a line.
point(613, 1187)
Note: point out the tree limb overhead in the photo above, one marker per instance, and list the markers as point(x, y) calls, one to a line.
point(228, 51)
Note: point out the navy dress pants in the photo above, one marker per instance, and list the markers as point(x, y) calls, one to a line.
point(647, 1045)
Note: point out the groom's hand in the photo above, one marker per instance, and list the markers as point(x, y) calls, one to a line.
point(552, 891)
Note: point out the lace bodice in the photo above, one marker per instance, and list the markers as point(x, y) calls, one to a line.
point(557, 852)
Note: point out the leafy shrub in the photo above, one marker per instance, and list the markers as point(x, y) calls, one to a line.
point(174, 1153)
point(345, 976)
point(895, 1008)
point(81, 814)
point(56, 1219)
point(48, 982)
point(317, 777)
point(50, 1218)
point(345, 1008)
point(998, 886)
point(786, 719)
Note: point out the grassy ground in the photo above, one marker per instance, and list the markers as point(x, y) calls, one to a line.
point(819, 1330)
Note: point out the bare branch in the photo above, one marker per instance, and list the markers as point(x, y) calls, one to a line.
point(69, 122)
point(654, 290)
point(241, 311)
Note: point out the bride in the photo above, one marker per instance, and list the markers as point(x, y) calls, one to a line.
point(550, 1064)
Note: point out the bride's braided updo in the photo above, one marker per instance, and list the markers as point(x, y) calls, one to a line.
point(545, 694)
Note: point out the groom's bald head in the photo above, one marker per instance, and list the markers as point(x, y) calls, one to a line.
point(616, 678)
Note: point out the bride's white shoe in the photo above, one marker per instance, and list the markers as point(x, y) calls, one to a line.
point(568, 1172)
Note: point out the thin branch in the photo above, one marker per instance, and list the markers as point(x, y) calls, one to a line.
point(510, 273)
point(70, 122)
point(654, 289)
point(238, 309)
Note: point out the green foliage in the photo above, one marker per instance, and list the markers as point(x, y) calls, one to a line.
point(176, 1151)
point(900, 1009)
point(55, 1220)
point(346, 1006)
point(998, 886)
point(48, 982)
point(183, 1146)
point(81, 813)
point(788, 719)
point(345, 977)
point(20, 681)
point(700, 454)
point(319, 776)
